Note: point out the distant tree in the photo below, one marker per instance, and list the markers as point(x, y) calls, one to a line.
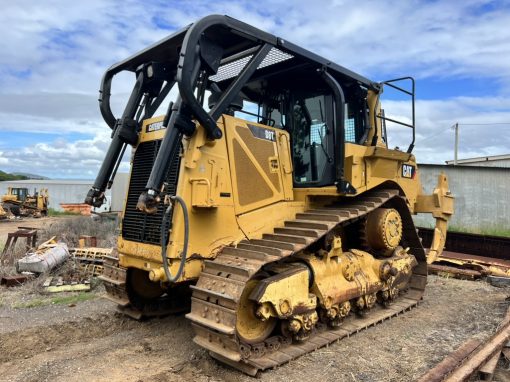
point(7, 176)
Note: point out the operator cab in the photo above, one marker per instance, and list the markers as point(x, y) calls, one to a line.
point(20, 193)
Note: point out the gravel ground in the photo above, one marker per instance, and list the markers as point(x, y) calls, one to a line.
point(92, 342)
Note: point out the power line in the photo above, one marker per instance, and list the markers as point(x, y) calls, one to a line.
point(432, 136)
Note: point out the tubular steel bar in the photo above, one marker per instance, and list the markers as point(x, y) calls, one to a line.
point(236, 86)
point(339, 118)
point(390, 83)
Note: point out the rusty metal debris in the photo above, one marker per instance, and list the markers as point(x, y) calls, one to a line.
point(485, 265)
point(446, 271)
point(12, 281)
point(47, 256)
point(496, 247)
point(29, 233)
point(447, 365)
point(466, 266)
point(471, 256)
point(470, 359)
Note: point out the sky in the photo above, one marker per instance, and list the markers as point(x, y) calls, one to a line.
point(54, 53)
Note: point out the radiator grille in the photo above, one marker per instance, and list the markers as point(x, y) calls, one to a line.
point(136, 225)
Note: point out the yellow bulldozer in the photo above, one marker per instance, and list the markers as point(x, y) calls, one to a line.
point(3, 213)
point(19, 202)
point(266, 199)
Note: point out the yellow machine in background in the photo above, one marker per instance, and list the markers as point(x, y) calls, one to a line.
point(19, 202)
point(280, 207)
point(3, 213)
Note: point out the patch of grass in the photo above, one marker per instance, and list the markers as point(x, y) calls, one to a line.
point(492, 231)
point(80, 297)
point(32, 303)
point(54, 212)
point(58, 300)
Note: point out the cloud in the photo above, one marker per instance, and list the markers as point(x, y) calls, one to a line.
point(480, 133)
point(54, 55)
point(77, 159)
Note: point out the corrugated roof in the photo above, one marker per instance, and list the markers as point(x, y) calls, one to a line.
point(480, 159)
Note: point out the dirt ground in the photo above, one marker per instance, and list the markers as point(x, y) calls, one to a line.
point(91, 342)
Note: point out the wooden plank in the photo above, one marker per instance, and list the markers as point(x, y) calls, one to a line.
point(68, 288)
point(486, 372)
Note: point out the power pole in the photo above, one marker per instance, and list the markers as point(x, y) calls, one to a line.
point(456, 127)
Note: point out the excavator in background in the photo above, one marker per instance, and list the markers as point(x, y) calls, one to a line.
point(18, 202)
point(266, 199)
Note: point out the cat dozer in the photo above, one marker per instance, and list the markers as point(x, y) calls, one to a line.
point(19, 202)
point(265, 199)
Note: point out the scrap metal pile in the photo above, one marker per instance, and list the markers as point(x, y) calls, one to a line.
point(474, 358)
point(69, 269)
point(471, 256)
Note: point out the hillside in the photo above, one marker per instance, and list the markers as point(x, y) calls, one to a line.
point(7, 176)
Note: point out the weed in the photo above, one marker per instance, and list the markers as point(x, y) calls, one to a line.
point(70, 229)
point(54, 212)
point(32, 303)
point(80, 297)
point(58, 300)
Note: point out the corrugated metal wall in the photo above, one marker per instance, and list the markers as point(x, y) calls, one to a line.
point(482, 195)
point(60, 191)
point(119, 191)
point(73, 191)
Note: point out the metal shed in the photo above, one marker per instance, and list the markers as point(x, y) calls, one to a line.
point(71, 190)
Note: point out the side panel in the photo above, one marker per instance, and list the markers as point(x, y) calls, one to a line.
point(204, 184)
point(255, 164)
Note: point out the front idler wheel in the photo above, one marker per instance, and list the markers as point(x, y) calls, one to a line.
point(250, 328)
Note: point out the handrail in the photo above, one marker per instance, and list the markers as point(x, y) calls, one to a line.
point(412, 93)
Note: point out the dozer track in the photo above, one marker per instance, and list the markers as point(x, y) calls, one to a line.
point(115, 280)
point(217, 293)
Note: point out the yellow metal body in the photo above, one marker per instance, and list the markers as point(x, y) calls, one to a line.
point(33, 204)
point(338, 279)
point(242, 186)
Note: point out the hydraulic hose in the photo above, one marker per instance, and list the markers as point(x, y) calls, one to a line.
point(184, 253)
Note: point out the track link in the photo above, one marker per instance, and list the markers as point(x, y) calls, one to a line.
point(222, 281)
point(114, 278)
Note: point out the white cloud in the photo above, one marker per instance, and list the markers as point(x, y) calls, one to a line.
point(434, 121)
point(54, 55)
point(77, 159)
